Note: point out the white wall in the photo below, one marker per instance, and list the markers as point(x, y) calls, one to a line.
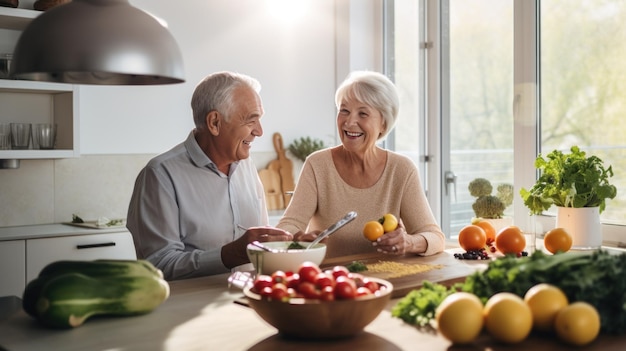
point(121, 128)
point(294, 61)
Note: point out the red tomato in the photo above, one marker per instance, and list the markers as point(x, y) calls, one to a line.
point(358, 279)
point(308, 290)
point(279, 292)
point(279, 277)
point(340, 271)
point(293, 280)
point(345, 288)
point(323, 280)
point(363, 291)
point(261, 282)
point(371, 285)
point(266, 291)
point(327, 294)
point(308, 271)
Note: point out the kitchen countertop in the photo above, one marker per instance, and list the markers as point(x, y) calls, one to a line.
point(201, 314)
point(51, 230)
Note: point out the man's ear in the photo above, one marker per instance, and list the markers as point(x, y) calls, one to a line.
point(214, 122)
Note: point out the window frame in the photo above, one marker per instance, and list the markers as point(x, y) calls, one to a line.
point(525, 105)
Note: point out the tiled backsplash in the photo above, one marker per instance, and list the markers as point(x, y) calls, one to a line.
point(92, 186)
point(50, 191)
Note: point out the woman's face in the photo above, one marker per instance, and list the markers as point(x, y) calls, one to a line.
point(359, 125)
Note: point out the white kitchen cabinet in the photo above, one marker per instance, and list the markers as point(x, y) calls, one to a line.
point(36, 102)
point(41, 252)
point(12, 267)
point(25, 251)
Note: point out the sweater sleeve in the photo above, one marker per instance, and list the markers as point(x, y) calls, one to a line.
point(303, 203)
point(416, 213)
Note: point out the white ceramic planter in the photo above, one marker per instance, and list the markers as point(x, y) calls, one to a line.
point(500, 223)
point(583, 224)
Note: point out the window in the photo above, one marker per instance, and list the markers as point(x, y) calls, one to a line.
point(462, 67)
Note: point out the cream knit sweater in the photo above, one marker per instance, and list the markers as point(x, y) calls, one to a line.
point(321, 198)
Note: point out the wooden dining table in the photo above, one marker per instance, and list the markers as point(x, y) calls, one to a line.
point(206, 314)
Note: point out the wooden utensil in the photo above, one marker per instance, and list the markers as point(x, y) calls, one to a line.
point(285, 168)
point(273, 192)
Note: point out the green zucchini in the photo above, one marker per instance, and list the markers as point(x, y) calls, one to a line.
point(69, 299)
point(99, 268)
point(66, 293)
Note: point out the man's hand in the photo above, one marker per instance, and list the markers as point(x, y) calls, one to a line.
point(264, 234)
point(234, 253)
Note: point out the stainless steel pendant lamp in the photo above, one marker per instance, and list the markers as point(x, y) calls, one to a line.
point(103, 42)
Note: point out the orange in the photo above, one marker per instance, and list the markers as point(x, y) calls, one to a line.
point(557, 239)
point(460, 317)
point(577, 324)
point(545, 302)
point(472, 237)
point(507, 317)
point(510, 240)
point(490, 231)
point(373, 230)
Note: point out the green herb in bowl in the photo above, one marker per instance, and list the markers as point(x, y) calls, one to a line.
point(295, 246)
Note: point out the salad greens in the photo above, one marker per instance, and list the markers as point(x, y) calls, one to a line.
point(569, 180)
point(356, 266)
point(418, 306)
point(597, 277)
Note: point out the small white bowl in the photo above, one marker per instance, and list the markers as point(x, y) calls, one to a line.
point(269, 262)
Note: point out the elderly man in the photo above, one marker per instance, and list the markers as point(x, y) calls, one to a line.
point(190, 203)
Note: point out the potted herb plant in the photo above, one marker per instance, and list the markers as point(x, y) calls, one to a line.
point(490, 206)
point(578, 185)
point(303, 147)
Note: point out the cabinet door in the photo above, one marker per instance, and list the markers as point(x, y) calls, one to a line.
point(41, 252)
point(12, 267)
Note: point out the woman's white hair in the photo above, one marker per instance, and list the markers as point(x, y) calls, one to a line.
point(373, 89)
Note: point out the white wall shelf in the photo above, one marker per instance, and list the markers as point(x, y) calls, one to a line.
point(38, 102)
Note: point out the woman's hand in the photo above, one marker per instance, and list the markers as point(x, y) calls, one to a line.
point(399, 242)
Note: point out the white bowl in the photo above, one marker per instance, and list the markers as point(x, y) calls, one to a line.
point(269, 262)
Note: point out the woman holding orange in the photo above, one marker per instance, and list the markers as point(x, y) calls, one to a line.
point(360, 176)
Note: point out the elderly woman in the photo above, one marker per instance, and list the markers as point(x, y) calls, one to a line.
point(360, 176)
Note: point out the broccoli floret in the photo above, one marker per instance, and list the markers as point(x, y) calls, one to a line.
point(505, 194)
point(480, 187)
point(487, 205)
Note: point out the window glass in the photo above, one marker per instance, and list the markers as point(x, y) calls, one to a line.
point(583, 84)
point(481, 95)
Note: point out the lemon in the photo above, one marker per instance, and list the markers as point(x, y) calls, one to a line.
point(545, 301)
point(508, 318)
point(577, 324)
point(460, 317)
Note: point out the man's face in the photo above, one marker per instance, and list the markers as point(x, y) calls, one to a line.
point(243, 126)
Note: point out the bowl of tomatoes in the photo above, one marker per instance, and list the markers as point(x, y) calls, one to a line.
point(284, 255)
point(311, 303)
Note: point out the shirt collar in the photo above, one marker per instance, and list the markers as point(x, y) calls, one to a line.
point(199, 158)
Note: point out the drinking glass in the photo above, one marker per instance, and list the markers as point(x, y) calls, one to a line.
point(44, 136)
point(20, 135)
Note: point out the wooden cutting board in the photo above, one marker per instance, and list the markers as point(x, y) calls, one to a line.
point(285, 168)
point(450, 270)
point(273, 193)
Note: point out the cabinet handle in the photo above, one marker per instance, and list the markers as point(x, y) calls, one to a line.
point(91, 246)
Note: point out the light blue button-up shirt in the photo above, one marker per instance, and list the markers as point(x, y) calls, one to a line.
point(183, 210)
